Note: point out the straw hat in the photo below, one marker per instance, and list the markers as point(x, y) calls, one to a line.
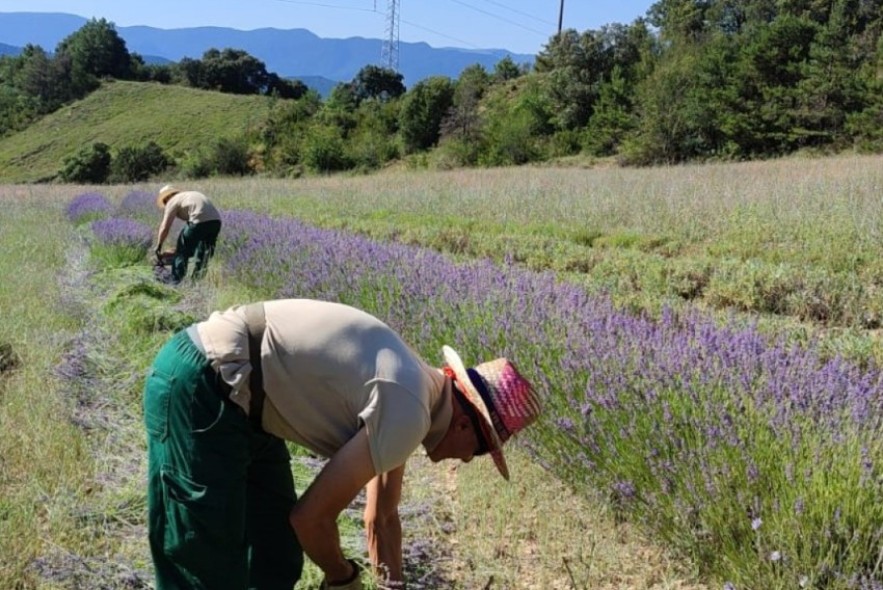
point(505, 401)
point(165, 193)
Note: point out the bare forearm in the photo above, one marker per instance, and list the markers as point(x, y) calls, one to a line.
point(314, 516)
point(385, 549)
point(161, 236)
point(320, 540)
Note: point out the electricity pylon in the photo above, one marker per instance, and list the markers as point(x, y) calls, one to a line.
point(389, 54)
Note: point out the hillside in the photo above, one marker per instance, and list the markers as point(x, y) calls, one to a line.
point(123, 114)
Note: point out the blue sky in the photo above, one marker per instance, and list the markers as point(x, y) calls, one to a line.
point(522, 26)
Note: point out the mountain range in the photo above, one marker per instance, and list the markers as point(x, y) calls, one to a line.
point(290, 53)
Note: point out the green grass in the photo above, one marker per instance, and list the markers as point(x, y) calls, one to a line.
point(793, 244)
point(120, 114)
point(43, 463)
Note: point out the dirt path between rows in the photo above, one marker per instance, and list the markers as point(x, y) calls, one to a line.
point(530, 533)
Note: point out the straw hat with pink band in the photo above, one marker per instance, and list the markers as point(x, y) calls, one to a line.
point(505, 401)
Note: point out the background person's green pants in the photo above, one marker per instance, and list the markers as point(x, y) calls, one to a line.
point(198, 240)
point(219, 492)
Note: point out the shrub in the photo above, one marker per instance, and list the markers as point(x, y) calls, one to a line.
point(228, 157)
point(752, 286)
point(455, 152)
point(511, 140)
point(197, 165)
point(135, 164)
point(370, 150)
point(324, 151)
point(688, 278)
point(91, 165)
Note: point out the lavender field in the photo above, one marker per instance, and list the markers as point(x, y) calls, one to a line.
point(757, 459)
point(752, 455)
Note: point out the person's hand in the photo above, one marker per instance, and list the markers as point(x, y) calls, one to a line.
point(353, 583)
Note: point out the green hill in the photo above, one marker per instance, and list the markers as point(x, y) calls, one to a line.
point(121, 114)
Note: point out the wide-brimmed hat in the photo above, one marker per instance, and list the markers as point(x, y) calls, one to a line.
point(505, 401)
point(165, 193)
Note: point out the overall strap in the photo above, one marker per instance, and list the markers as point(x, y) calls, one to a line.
point(257, 323)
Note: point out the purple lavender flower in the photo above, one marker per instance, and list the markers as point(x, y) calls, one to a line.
point(138, 204)
point(122, 232)
point(624, 490)
point(88, 207)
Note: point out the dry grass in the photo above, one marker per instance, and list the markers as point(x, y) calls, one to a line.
point(533, 533)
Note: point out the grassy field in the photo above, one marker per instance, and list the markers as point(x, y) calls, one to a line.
point(82, 331)
point(123, 114)
point(682, 446)
point(796, 244)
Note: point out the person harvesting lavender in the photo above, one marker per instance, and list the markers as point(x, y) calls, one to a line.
point(225, 394)
point(198, 237)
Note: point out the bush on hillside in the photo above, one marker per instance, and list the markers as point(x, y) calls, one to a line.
point(136, 164)
point(226, 157)
point(91, 165)
point(324, 150)
point(371, 149)
point(230, 157)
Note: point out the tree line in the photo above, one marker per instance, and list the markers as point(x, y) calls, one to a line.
point(693, 80)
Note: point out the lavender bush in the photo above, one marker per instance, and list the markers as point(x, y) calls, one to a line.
point(88, 207)
point(119, 241)
point(138, 204)
point(757, 459)
point(141, 206)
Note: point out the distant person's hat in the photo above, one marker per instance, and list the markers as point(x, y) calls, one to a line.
point(505, 401)
point(165, 193)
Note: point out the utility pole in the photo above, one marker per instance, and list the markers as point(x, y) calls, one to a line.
point(389, 54)
point(560, 17)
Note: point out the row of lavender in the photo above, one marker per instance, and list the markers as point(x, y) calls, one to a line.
point(759, 460)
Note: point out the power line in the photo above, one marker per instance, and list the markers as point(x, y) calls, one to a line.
point(516, 11)
point(422, 28)
point(324, 5)
point(412, 24)
point(498, 17)
point(375, 11)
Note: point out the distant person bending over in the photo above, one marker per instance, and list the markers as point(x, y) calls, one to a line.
point(223, 396)
point(199, 235)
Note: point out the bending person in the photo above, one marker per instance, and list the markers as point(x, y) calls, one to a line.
point(225, 394)
point(197, 238)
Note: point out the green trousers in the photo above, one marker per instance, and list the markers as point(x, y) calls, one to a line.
point(219, 491)
point(196, 239)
